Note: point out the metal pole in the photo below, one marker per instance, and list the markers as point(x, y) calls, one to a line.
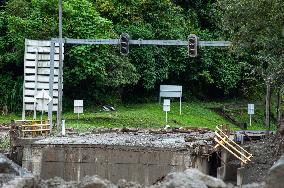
point(51, 82)
point(60, 73)
point(166, 117)
point(36, 77)
point(180, 106)
point(250, 120)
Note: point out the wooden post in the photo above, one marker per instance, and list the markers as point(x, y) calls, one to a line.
point(267, 105)
point(278, 108)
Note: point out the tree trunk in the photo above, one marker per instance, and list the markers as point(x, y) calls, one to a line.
point(267, 106)
point(278, 107)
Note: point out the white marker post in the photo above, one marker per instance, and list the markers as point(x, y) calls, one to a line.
point(166, 108)
point(63, 127)
point(78, 107)
point(250, 112)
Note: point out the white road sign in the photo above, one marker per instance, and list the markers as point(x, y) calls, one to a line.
point(250, 109)
point(78, 106)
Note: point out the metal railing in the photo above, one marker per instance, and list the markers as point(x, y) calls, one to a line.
point(225, 142)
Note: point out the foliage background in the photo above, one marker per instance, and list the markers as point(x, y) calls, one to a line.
point(100, 75)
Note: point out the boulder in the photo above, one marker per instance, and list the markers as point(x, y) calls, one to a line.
point(191, 178)
point(275, 179)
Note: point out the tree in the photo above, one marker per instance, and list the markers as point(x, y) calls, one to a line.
point(255, 27)
point(38, 19)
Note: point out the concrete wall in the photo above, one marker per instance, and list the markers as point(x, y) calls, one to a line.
point(72, 162)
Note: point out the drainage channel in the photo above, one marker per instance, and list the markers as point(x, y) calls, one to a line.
point(140, 157)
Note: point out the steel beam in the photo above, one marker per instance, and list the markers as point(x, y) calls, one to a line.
point(51, 82)
point(141, 42)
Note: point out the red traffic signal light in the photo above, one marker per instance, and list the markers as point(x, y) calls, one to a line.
point(192, 45)
point(124, 43)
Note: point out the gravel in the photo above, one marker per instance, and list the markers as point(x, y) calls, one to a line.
point(132, 139)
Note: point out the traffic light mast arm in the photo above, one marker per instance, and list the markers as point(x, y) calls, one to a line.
point(142, 42)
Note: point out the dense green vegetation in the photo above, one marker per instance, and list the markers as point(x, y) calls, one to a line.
point(251, 69)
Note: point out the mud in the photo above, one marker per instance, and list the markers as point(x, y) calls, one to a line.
point(265, 153)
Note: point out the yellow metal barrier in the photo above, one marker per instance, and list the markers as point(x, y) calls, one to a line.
point(33, 127)
point(223, 140)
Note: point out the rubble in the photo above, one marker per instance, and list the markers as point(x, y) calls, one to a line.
point(276, 174)
point(138, 137)
point(264, 156)
point(191, 178)
point(264, 152)
point(14, 176)
point(9, 167)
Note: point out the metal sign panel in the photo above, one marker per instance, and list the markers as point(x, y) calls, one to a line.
point(171, 91)
point(78, 106)
point(37, 73)
point(250, 109)
point(78, 109)
point(166, 105)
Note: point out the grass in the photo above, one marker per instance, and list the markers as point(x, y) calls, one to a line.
point(150, 115)
point(147, 116)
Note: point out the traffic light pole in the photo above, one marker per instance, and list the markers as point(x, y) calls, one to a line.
point(112, 42)
point(141, 42)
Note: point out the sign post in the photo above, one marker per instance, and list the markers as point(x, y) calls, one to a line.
point(250, 112)
point(78, 107)
point(166, 108)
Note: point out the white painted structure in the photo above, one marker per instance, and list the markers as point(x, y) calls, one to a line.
point(167, 108)
point(171, 91)
point(250, 109)
point(42, 99)
point(37, 72)
point(78, 107)
point(250, 112)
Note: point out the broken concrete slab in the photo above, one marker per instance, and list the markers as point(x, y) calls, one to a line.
point(191, 178)
point(135, 156)
point(275, 179)
point(9, 167)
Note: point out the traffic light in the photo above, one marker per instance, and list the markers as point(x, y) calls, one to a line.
point(124, 43)
point(192, 45)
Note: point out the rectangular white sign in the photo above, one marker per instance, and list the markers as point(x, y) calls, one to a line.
point(166, 105)
point(78, 106)
point(250, 109)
